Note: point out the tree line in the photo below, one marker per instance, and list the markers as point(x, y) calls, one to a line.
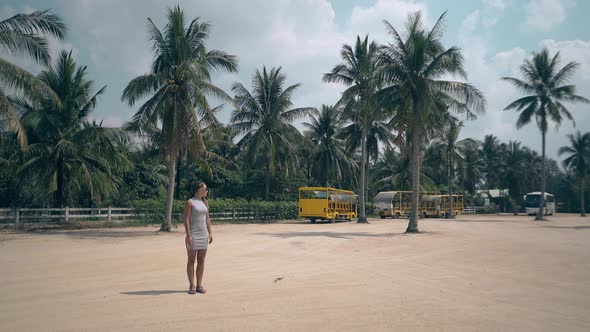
point(396, 125)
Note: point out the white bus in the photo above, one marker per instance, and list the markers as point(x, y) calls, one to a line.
point(532, 201)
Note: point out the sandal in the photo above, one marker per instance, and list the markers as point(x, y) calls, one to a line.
point(201, 290)
point(192, 290)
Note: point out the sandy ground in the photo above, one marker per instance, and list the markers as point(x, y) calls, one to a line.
point(488, 273)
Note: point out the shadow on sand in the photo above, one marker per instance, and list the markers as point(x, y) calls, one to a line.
point(481, 220)
point(570, 227)
point(153, 292)
point(99, 233)
point(335, 235)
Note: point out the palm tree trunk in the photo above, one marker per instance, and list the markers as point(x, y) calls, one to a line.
point(60, 184)
point(413, 222)
point(543, 179)
point(451, 216)
point(167, 224)
point(367, 166)
point(178, 178)
point(267, 183)
point(362, 216)
point(326, 174)
point(582, 207)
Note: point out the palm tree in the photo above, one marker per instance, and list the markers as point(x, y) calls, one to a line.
point(178, 85)
point(513, 170)
point(330, 160)
point(380, 132)
point(265, 119)
point(393, 171)
point(21, 35)
point(472, 170)
point(66, 150)
point(433, 163)
point(415, 69)
point(490, 154)
point(454, 151)
point(360, 71)
point(215, 136)
point(544, 97)
point(578, 160)
point(533, 165)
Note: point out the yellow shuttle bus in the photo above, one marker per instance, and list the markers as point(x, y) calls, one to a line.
point(325, 203)
point(437, 205)
point(393, 204)
point(398, 204)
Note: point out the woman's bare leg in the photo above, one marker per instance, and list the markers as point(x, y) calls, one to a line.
point(190, 267)
point(200, 266)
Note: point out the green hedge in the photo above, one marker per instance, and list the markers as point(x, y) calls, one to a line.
point(486, 210)
point(154, 210)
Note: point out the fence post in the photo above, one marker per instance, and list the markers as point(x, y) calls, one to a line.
point(234, 214)
point(17, 217)
point(67, 214)
point(109, 214)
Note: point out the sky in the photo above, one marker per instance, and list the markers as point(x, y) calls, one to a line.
point(304, 37)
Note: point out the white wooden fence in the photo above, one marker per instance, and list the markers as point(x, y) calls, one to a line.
point(20, 216)
point(17, 217)
point(469, 210)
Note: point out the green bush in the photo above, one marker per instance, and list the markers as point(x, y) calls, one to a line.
point(278, 210)
point(154, 211)
point(486, 210)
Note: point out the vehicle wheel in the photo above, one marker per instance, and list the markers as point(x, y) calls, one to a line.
point(397, 215)
point(312, 220)
point(424, 215)
point(382, 217)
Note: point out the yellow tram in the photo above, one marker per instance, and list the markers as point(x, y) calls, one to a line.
point(396, 204)
point(326, 203)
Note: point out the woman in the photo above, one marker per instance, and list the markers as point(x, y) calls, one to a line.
point(198, 235)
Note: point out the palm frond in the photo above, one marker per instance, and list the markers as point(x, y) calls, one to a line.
point(21, 34)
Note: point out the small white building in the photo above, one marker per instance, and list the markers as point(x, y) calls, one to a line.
point(487, 194)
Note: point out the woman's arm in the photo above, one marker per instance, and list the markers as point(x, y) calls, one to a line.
point(209, 224)
point(187, 221)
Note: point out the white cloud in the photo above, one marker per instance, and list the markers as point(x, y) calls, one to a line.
point(6, 12)
point(56, 46)
point(572, 50)
point(578, 51)
point(479, 18)
point(509, 61)
point(365, 20)
point(299, 35)
point(303, 37)
point(497, 4)
point(544, 15)
point(470, 22)
point(486, 66)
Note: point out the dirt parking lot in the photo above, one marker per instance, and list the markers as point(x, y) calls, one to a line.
point(485, 273)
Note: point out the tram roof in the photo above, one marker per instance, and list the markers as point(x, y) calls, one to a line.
point(327, 188)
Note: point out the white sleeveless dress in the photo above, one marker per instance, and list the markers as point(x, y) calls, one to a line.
point(198, 225)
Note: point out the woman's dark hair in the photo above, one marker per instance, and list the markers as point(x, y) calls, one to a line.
point(195, 186)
